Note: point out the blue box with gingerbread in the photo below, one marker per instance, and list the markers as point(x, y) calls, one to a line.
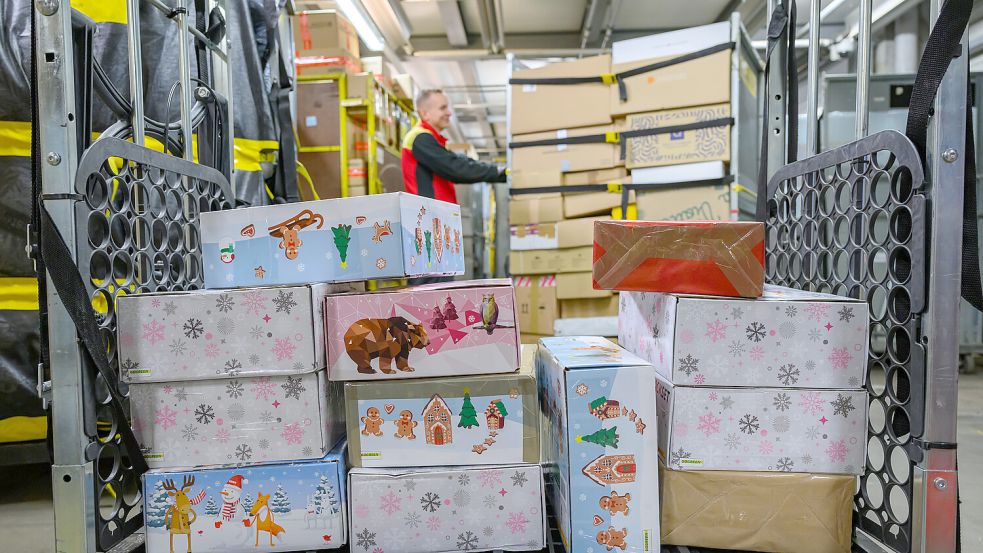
point(339, 240)
point(602, 455)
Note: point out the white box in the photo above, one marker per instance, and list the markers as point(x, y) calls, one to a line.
point(586, 326)
point(673, 174)
point(673, 43)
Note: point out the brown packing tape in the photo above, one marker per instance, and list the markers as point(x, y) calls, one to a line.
point(758, 511)
point(729, 245)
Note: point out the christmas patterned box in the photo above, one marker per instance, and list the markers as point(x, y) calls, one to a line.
point(461, 420)
point(714, 258)
point(208, 334)
point(337, 240)
point(273, 507)
point(448, 329)
point(762, 429)
point(602, 451)
point(785, 339)
point(237, 420)
point(447, 509)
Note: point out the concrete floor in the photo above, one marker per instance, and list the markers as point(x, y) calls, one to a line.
point(27, 521)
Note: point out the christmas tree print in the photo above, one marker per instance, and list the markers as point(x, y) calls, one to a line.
point(157, 506)
point(468, 415)
point(426, 235)
point(280, 503)
point(211, 508)
point(247, 502)
point(342, 236)
point(605, 437)
point(324, 497)
point(437, 322)
point(450, 310)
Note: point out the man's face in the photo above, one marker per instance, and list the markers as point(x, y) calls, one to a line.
point(436, 111)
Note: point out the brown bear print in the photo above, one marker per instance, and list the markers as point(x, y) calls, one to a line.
point(372, 422)
point(615, 503)
point(385, 339)
point(405, 425)
point(613, 538)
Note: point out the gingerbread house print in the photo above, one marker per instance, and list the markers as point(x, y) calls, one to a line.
point(437, 421)
point(607, 470)
point(604, 408)
point(495, 415)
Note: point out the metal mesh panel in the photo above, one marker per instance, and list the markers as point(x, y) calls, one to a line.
point(851, 222)
point(138, 232)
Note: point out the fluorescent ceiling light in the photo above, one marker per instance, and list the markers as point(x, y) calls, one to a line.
point(364, 26)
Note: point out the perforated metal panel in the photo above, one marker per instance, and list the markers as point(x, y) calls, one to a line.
point(852, 222)
point(138, 232)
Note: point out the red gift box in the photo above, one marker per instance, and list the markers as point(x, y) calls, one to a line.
point(694, 257)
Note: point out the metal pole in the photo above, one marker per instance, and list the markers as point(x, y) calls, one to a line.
point(812, 101)
point(136, 69)
point(184, 68)
point(863, 67)
point(777, 84)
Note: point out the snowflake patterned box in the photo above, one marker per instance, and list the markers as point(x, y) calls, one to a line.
point(447, 329)
point(762, 429)
point(440, 510)
point(785, 339)
point(210, 333)
point(237, 420)
point(337, 240)
point(271, 507)
point(601, 453)
point(461, 420)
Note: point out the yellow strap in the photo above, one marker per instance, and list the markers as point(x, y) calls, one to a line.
point(614, 187)
point(250, 153)
point(612, 137)
point(741, 188)
point(632, 213)
point(15, 138)
point(316, 149)
point(608, 78)
point(302, 171)
point(23, 429)
point(18, 294)
point(102, 11)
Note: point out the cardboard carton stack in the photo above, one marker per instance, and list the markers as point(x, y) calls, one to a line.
point(759, 389)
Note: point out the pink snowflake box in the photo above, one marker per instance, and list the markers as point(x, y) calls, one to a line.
point(237, 420)
point(447, 509)
point(216, 333)
point(761, 429)
point(785, 339)
point(294, 506)
point(447, 329)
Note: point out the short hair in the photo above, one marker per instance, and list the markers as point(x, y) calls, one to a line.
point(426, 94)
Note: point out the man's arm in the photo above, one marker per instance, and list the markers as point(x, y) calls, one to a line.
point(453, 167)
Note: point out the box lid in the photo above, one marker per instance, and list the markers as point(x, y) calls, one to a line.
point(673, 43)
point(589, 352)
point(778, 293)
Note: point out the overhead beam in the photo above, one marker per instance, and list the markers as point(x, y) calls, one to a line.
point(724, 14)
point(531, 41)
point(450, 15)
point(594, 22)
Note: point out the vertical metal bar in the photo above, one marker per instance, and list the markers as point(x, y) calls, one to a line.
point(735, 110)
point(343, 134)
point(184, 69)
point(136, 69)
point(221, 82)
point(812, 99)
point(777, 88)
point(863, 68)
point(71, 474)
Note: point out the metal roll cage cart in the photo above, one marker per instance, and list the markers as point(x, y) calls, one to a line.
point(871, 221)
point(127, 217)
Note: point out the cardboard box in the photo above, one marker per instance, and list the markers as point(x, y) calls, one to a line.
point(532, 339)
point(452, 324)
point(448, 509)
point(598, 176)
point(571, 233)
point(357, 177)
point(540, 262)
point(306, 500)
point(326, 67)
point(337, 240)
point(535, 179)
point(203, 334)
point(324, 34)
point(787, 338)
point(278, 417)
point(762, 429)
point(592, 307)
point(688, 203)
point(535, 210)
point(586, 326)
point(709, 144)
point(583, 204)
point(566, 157)
point(710, 258)
point(602, 443)
point(572, 286)
point(536, 306)
point(318, 114)
point(757, 511)
point(380, 68)
point(459, 420)
point(546, 107)
point(404, 88)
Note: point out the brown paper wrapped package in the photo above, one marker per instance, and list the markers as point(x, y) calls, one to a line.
point(757, 511)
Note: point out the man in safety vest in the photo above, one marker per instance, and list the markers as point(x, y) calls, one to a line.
point(429, 168)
